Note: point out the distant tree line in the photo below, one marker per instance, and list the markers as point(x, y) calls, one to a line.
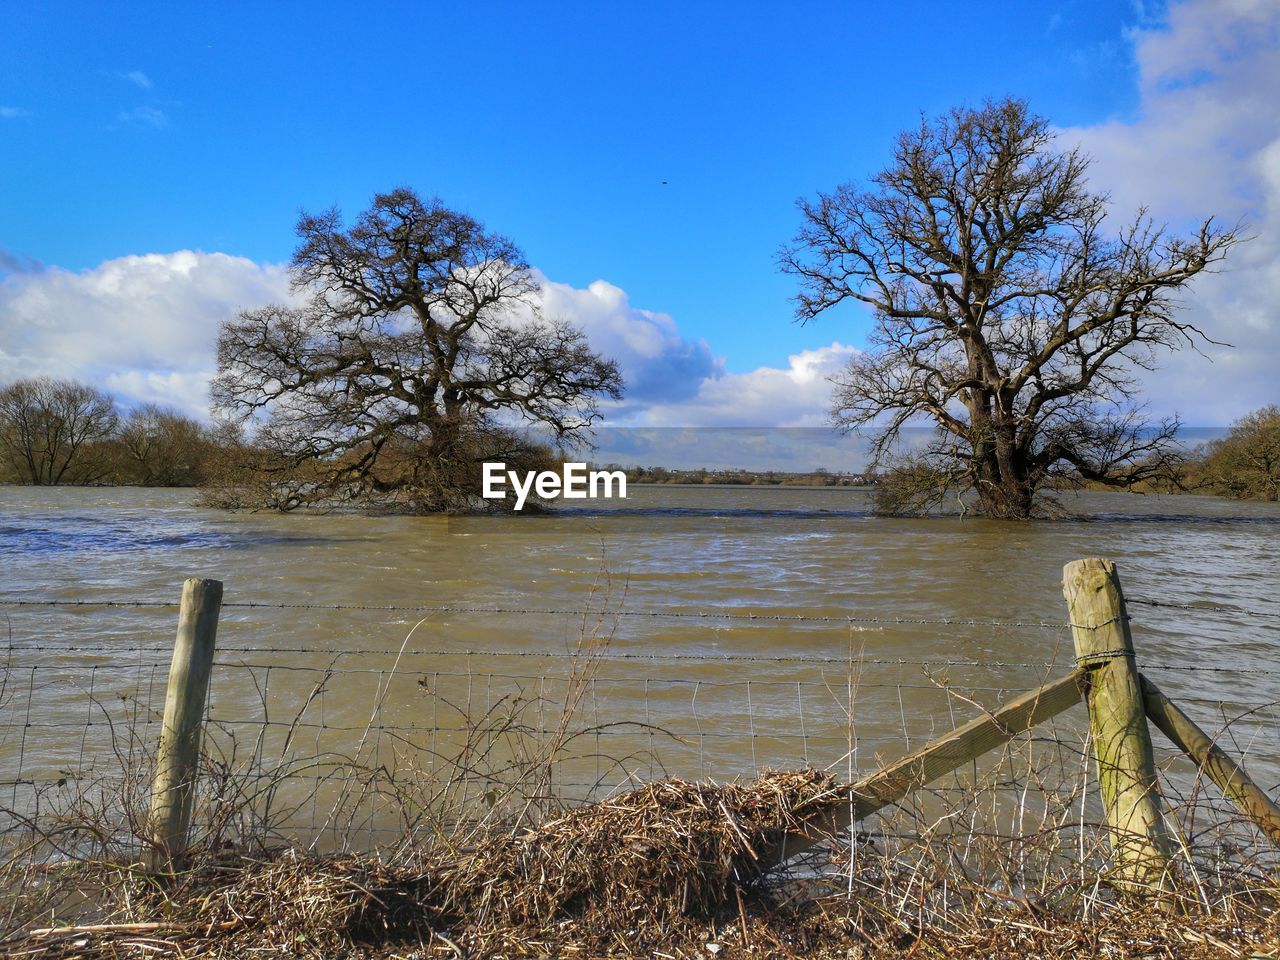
point(819, 477)
point(1245, 464)
point(62, 432)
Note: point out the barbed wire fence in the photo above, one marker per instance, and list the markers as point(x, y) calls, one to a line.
point(362, 736)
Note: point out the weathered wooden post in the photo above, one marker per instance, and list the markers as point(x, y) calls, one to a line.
point(1121, 740)
point(178, 758)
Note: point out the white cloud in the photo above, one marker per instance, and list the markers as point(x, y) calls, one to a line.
point(145, 116)
point(1207, 141)
point(11, 262)
point(12, 113)
point(142, 327)
point(187, 391)
point(657, 362)
point(797, 395)
point(138, 79)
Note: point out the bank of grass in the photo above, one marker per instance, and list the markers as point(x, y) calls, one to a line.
point(671, 868)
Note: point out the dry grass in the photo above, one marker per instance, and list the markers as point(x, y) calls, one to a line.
point(669, 870)
point(673, 869)
point(639, 870)
point(999, 863)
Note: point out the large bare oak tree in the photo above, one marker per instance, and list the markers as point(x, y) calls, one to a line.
point(1008, 315)
point(418, 352)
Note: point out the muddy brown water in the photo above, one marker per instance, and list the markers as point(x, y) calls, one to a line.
point(737, 628)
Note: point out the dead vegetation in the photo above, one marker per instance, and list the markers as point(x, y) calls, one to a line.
point(1003, 861)
point(636, 871)
point(672, 869)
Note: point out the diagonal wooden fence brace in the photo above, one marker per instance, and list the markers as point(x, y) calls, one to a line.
point(1216, 764)
point(949, 752)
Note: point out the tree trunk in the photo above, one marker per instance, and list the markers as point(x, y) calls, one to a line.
point(1005, 490)
point(1006, 498)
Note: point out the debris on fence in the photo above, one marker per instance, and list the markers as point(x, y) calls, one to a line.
point(641, 863)
point(669, 849)
point(664, 871)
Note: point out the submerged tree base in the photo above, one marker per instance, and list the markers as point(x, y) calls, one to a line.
point(432, 477)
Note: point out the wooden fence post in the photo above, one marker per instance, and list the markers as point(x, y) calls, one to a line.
point(1121, 740)
point(178, 758)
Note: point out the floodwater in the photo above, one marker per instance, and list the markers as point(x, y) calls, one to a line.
point(734, 628)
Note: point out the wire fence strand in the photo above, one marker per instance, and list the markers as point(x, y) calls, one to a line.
point(554, 612)
point(299, 715)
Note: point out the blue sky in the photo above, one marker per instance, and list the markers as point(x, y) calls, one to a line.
point(656, 147)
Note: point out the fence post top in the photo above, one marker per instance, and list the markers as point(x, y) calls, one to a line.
point(1094, 575)
point(205, 588)
point(1099, 620)
point(1087, 565)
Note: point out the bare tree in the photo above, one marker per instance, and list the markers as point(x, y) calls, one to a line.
point(1006, 315)
point(160, 447)
point(47, 425)
point(409, 365)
